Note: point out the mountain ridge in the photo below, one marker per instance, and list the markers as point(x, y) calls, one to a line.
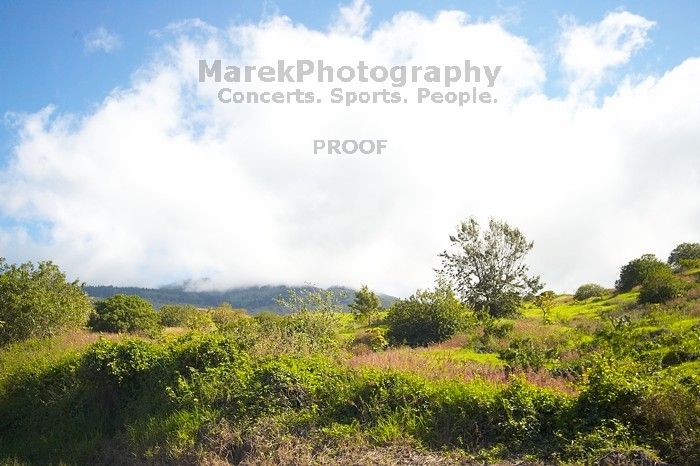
point(252, 298)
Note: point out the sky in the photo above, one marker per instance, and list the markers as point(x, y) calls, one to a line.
point(118, 164)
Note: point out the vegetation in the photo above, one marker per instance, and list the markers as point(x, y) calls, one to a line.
point(365, 305)
point(37, 301)
point(636, 271)
point(426, 317)
point(123, 313)
point(684, 253)
point(589, 290)
point(488, 271)
point(545, 301)
point(609, 379)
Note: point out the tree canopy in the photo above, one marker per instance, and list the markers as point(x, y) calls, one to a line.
point(487, 268)
point(38, 301)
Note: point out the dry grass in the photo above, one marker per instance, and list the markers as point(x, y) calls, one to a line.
point(267, 444)
point(419, 361)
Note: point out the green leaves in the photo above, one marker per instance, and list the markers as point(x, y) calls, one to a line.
point(37, 301)
point(487, 269)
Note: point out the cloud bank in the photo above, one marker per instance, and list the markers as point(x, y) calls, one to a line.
point(160, 182)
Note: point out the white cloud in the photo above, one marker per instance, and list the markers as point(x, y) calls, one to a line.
point(101, 40)
point(352, 19)
point(590, 51)
point(161, 182)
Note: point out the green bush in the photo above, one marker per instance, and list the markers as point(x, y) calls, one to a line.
point(37, 301)
point(661, 286)
point(636, 271)
point(426, 317)
point(176, 315)
point(125, 313)
point(526, 353)
point(589, 290)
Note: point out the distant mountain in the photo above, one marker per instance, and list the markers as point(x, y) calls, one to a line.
point(253, 298)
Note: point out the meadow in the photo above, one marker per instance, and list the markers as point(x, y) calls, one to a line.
point(605, 376)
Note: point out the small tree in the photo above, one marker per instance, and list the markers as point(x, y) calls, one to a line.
point(37, 301)
point(426, 317)
point(487, 269)
point(637, 270)
point(545, 301)
point(365, 305)
point(684, 253)
point(125, 313)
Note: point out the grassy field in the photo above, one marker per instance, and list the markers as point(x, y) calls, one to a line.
point(605, 376)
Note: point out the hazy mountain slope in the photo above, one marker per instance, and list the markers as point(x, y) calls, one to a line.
point(254, 298)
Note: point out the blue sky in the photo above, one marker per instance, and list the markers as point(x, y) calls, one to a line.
point(45, 60)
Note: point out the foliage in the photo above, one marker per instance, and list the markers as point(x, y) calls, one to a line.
point(309, 300)
point(487, 270)
point(637, 270)
point(176, 315)
point(426, 317)
point(37, 301)
point(545, 301)
point(684, 252)
point(589, 290)
point(365, 304)
point(659, 286)
point(526, 353)
point(124, 313)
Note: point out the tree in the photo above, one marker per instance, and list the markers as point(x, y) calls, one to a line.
point(365, 305)
point(545, 301)
point(37, 301)
point(426, 317)
point(637, 270)
point(488, 271)
point(125, 313)
point(684, 253)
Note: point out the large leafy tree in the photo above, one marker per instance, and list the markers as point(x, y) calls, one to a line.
point(684, 253)
point(38, 301)
point(365, 304)
point(636, 271)
point(487, 268)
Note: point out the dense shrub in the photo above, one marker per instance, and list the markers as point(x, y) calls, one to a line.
point(526, 353)
point(636, 271)
point(661, 286)
point(426, 317)
point(684, 252)
point(125, 313)
point(589, 290)
point(37, 301)
point(176, 315)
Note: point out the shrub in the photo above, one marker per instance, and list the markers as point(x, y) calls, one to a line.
point(37, 301)
point(525, 353)
point(684, 252)
point(125, 313)
point(661, 286)
point(426, 317)
point(176, 315)
point(589, 290)
point(637, 270)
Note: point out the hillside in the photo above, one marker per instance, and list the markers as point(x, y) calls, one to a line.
point(254, 298)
